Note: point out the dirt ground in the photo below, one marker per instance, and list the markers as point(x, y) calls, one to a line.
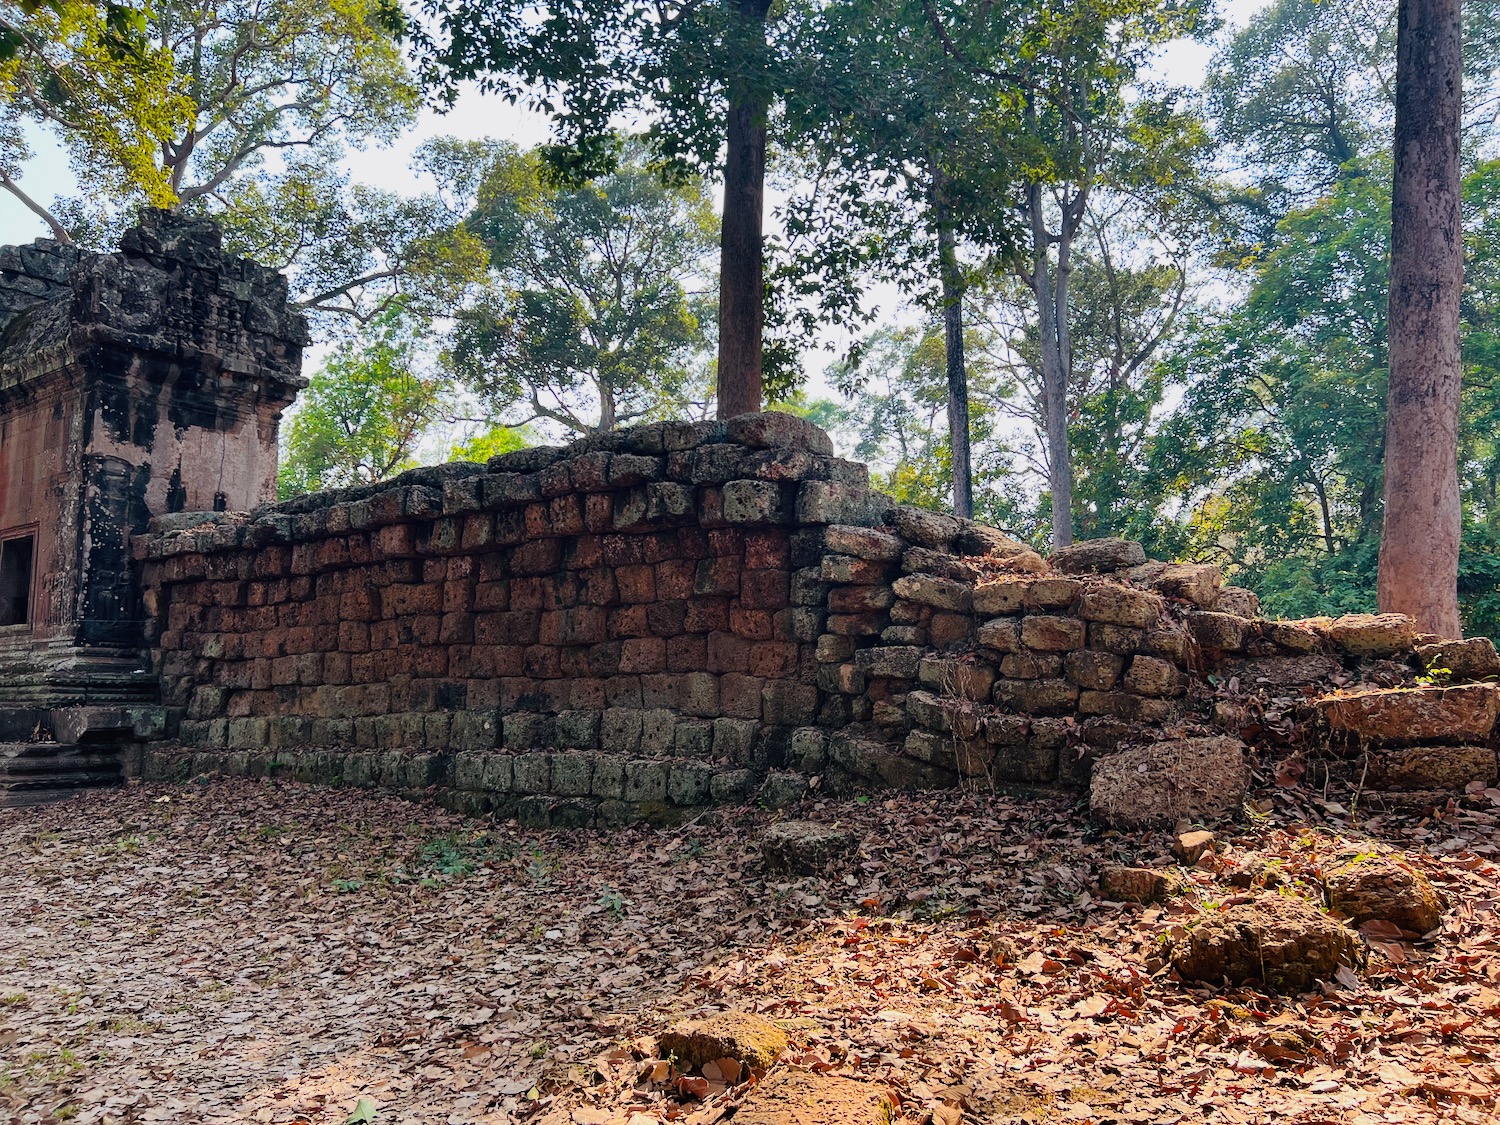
point(241, 951)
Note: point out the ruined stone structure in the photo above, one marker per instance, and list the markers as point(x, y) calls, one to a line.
point(132, 384)
point(657, 619)
point(639, 625)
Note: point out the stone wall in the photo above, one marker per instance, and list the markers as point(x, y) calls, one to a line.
point(625, 627)
point(655, 620)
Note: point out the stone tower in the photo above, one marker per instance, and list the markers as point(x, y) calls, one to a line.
point(132, 385)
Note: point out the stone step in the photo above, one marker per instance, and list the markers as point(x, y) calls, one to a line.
point(26, 798)
point(47, 767)
point(1408, 716)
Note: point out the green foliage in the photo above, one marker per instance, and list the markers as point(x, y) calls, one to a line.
point(491, 443)
point(896, 418)
point(362, 416)
point(87, 68)
point(241, 109)
point(592, 321)
point(1272, 465)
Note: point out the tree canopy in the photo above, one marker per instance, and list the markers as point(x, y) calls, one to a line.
point(600, 310)
point(241, 109)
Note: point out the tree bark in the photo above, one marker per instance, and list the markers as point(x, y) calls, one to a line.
point(953, 339)
point(1050, 300)
point(1423, 519)
point(741, 249)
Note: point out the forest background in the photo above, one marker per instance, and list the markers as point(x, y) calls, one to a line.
point(1214, 336)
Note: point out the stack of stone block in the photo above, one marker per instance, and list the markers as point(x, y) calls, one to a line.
point(657, 619)
point(612, 626)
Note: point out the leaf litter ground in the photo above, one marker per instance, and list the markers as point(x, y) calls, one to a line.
point(268, 952)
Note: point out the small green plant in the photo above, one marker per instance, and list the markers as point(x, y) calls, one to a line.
point(541, 867)
point(613, 901)
point(347, 886)
point(129, 844)
point(537, 1050)
point(15, 1000)
point(1435, 675)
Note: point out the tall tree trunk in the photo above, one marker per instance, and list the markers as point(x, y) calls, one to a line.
point(1419, 543)
point(741, 250)
point(1054, 372)
point(953, 339)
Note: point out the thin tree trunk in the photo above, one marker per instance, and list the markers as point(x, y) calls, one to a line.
point(1054, 377)
point(741, 248)
point(1420, 541)
point(953, 339)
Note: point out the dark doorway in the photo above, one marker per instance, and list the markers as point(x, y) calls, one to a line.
point(15, 579)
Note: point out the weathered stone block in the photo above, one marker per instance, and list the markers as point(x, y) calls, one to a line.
point(965, 679)
point(775, 429)
point(1001, 598)
point(1295, 636)
point(1052, 593)
point(577, 730)
point(860, 599)
point(789, 704)
point(1148, 675)
point(532, 773)
point(925, 528)
point(1120, 605)
point(940, 593)
point(1220, 632)
point(608, 781)
point(1117, 639)
point(620, 730)
point(1030, 761)
point(475, 730)
point(1433, 767)
point(1003, 635)
point(1160, 783)
point(572, 774)
point(1239, 601)
point(808, 750)
point(731, 787)
point(645, 780)
point(734, 740)
point(899, 662)
point(1428, 714)
point(1123, 705)
point(1006, 730)
point(527, 730)
point(832, 502)
point(1472, 659)
point(863, 543)
point(1373, 635)
point(1052, 634)
point(1038, 697)
point(833, 649)
point(1286, 944)
point(1191, 582)
point(1098, 556)
point(1029, 665)
point(882, 764)
point(848, 570)
point(658, 730)
point(693, 740)
point(1094, 671)
point(689, 783)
